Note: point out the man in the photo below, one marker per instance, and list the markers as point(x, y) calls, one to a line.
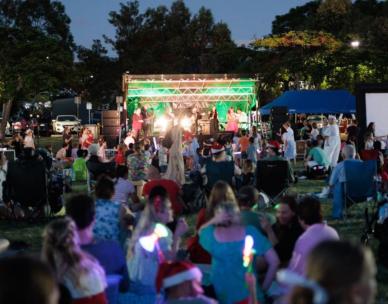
point(244, 144)
point(315, 232)
point(337, 179)
point(273, 154)
point(332, 141)
point(181, 282)
point(219, 168)
point(109, 254)
point(316, 157)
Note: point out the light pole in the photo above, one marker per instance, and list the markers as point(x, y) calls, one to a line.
point(77, 101)
point(119, 101)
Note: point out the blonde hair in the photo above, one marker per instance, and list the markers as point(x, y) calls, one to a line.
point(221, 192)
point(63, 253)
point(148, 219)
point(232, 209)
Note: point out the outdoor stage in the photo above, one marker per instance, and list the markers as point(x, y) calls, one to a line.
point(180, 96)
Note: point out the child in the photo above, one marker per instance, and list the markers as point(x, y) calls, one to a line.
point(142, 264)
point(80, 170)
point(248, 176)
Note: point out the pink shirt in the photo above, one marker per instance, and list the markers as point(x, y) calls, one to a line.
point(313, 235)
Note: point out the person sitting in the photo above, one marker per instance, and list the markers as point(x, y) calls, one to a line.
point(341, 272)
point(248, 173)
point(287, 229)
point(273, 154)
point(316, 157)
point(108, 253)
point(315, 232)
point(223, 236)
point(248, 198)
point(112, 218)
point(95, 166)
point(62, 152)
point(124, 189)
point(181, 283)
point(143, 264)
point(219, 168)
point(173, 190)
point(80, 169)
point(78, 271)
point(338, 177)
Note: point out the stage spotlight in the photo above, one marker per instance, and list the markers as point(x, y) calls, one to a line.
point(161, 123)
point(186, 123)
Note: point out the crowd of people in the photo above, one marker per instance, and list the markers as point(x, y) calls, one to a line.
point(127, 240)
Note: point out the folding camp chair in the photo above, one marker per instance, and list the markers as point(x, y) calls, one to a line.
point(360, 185)
point(272, 178)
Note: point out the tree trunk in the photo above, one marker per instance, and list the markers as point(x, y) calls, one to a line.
point(6, 113)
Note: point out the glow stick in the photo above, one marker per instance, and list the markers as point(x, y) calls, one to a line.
point(150, 242)
point(248, 253)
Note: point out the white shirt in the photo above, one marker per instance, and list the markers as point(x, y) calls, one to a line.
point(129, 140)
point(29, 142)
point(314, 134)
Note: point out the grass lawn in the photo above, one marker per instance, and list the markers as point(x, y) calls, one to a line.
point(351, 229)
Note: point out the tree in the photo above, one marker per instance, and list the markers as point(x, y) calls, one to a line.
point(36, 50)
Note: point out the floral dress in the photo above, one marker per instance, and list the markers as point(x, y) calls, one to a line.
point(137, 165)
point(107, 223)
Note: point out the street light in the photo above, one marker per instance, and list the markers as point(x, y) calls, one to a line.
point(355, 44)
point(77, 101)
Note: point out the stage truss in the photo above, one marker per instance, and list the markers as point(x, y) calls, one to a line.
point(189, 91)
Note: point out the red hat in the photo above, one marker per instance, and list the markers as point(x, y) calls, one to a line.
point(174, 273)
point(274, 144)
point(217, 148)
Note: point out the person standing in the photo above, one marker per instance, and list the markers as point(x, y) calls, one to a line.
point(67, 138)
point(289, 142)
point(332, 137)
point(137, 122)
point(213, 116)
point(231, 121)
point(29, 139)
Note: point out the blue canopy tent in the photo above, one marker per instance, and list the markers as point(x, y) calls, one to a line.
point(314, 102)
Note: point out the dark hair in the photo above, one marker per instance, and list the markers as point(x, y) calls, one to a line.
point(243, 132)
point(146, 147)
point(314, 143)
point(290, 201)
point(309, 210)
point(252, 140)
point(130, 146)
point(246, 196)
point(377, 145)
point(336, 266)
point(157, 191)
point(81, 209)
point(105, 187)
point(80, 153)
point(121, 171)
point(25, 280)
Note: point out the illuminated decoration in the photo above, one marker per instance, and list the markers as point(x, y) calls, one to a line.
point(185, 92)
point(185, 123)
point(248, 253)
point(151, 242)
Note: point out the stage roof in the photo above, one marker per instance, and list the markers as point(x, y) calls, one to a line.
point(314, 102)
point(190, 90)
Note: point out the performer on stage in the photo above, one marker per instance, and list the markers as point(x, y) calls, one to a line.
point(232, 124)
point(242, 119)
point(137, 122)
point(194, 120)
point(213, 116)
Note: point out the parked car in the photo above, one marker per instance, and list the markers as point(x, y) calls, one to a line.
point(62, 121)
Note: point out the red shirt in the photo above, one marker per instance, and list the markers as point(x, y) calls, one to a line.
point(244, 143)
point(136, 122)
point(172, 189)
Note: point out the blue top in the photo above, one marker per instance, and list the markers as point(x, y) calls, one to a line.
point(252, 154)
point(107, 222)
point(228, 272)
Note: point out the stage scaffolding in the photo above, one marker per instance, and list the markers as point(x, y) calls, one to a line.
point(188, 91)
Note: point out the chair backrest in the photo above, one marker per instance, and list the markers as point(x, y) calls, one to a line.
point(272, 176)
point(360, 182)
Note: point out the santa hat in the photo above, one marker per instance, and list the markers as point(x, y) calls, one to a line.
point(174, 273)
point(274, 144)
point(217, 148)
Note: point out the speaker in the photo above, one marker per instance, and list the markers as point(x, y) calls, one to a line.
point(204, 126)
point(111, 122)
point(225, 136)
point(279, 111)
point(111, 131)
point(110, 114)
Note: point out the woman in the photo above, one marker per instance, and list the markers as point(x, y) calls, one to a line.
point(17, 144)
point(221, 192)
point(337, 272)
point(213, 116)
point(120, 155)
point(176, 167)
point(79, 272)
point(29, 139)
point(289, 142)
point(137, 168)
point(142, 264)
point(224, 237)
point(231, 121)
point(109, 214)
